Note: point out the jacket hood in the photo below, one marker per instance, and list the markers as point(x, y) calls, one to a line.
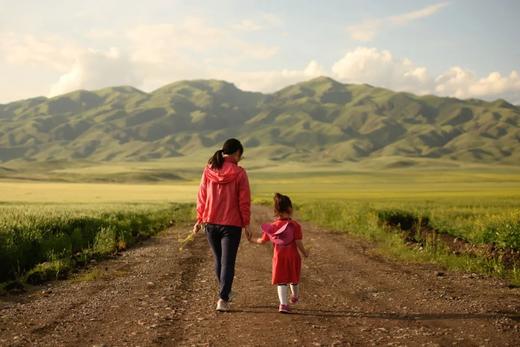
point(227, 173)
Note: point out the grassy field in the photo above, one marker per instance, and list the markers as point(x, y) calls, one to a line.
point(95, 192)
point(479, 204)
point(491, 226)
point(152, 181)
point(42, 241)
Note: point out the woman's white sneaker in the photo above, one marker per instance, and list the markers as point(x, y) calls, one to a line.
point(222, 306)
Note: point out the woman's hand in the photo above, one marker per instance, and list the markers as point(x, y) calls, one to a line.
point(248, 232)
point(196, 228)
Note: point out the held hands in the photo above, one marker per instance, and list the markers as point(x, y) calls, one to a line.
point(248, 233)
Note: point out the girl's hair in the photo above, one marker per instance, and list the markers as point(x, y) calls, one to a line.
point(230, 146)
point(282, 203)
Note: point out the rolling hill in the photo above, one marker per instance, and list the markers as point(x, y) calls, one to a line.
point(320, 119)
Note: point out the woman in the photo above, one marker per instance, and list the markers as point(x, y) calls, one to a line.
point(224, 208)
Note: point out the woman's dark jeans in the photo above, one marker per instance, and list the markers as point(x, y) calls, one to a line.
point(224, 241)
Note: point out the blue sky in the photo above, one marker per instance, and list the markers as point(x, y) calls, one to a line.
point(458, 48)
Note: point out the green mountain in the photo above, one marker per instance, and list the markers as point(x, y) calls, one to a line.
point(320, 119)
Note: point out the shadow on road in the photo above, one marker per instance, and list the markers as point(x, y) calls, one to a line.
point(383, 315)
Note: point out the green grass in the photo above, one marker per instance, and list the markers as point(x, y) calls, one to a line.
point(494, 221)
point(38, 242)
point(491, 221)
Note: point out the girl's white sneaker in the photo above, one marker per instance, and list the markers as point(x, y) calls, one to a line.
point(284, 309)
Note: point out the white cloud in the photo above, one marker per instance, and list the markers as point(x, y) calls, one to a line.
point(424, 12)
point(261, 22)
point(146, 56)
point(248, 25)
point(30, 50)
point(192, 49)
point(381, 68)
point(368, 29)
point(372, 66)
point(95, 69)
point(162, 43)
point(463, 83)
point(270, 80)
point(254, 51)
point(157, 43)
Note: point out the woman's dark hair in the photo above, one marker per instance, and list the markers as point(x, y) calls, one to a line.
point(230, 146)
point(282, 203)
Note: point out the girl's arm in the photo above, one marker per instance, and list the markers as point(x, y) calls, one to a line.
point(260, 241)
point(301, 248)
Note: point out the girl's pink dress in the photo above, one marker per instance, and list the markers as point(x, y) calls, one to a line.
point(287, 262)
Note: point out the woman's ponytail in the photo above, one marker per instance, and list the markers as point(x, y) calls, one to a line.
point(217, 160)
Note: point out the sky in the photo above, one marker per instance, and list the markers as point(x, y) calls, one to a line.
point(458, 48)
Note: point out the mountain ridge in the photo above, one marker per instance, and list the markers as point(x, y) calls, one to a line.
point(323, 77)
point(318, 119)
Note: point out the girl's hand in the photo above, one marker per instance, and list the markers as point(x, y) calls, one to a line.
point(304, 251)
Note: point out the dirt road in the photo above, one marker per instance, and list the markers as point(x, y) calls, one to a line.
point(156, 295)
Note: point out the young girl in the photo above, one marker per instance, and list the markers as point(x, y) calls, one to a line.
point(286, 235)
